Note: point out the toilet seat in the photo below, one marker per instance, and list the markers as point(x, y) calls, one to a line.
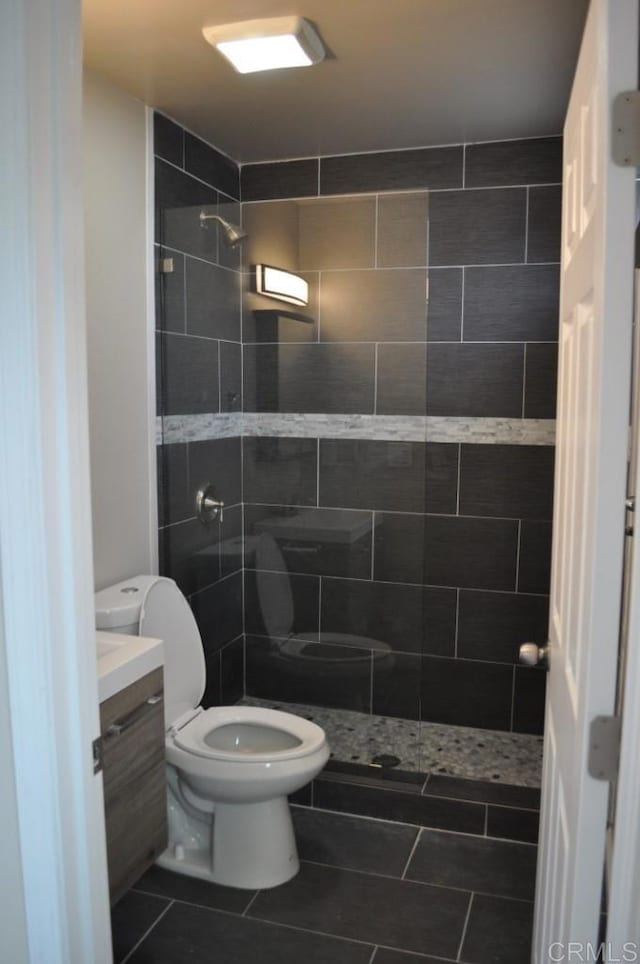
point(193, 737)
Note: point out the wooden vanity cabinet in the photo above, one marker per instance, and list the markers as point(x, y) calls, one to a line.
point(132, 730)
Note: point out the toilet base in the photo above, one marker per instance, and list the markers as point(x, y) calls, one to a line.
point(253, 847)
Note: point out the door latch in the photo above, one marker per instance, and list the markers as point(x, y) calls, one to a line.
point(604, 747)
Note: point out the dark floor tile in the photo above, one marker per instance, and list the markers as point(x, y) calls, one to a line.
point(306, 672)
point(477, 227)
point(495, 867)
point(169, 290)
point(188, 372)
point(218, 612)
point(402, 230)
point(512, 303)
point(218, 461)
point(396, 686)
point(406, 806)
point(324, 542)
point(198, 935)
point(509, 481)
point(498, 931)
point(536, 160)
point(309, 378)
point(131, 918)
point(475, 380)
point(439, 167)
point(408, 618)
point(303, 797)
point(545, 212)
point(353, 843)
point(175, 502)
point(281, 603)
point(511, 823)
point(281, 179)
point(210, 165)
point(376, 909)
point(466, 693)
point(534, 563)
point(529, 699)
point(402, 385)
point(444, 313)
point(212, 301)
point(164, 883)
point(492, 625)
point(482, 791)
point(540, 383)
point(280, 471)
point(383, 305)
point(167, 139)
point(384, 955)
point(391, 476)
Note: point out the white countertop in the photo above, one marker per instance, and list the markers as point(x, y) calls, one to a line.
point(124, 659)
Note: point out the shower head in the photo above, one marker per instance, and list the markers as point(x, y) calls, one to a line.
point(232, 234)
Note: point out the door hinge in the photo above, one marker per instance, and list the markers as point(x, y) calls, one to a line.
point(604, 747)
point(96, 749)
point(625, 138)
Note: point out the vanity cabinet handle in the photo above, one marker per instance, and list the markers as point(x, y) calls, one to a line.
point(118, 727)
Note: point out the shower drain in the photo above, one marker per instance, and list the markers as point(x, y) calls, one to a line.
point(386, 760)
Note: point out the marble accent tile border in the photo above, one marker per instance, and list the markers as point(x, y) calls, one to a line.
point(399, 428)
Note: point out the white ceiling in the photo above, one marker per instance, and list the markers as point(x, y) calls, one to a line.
point(403, 73)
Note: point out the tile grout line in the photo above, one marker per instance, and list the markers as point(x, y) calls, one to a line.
point(148, 931)
point(464, 929)
point(246, 910)
point(526, 224)
point(455, 638)
point(411, 853)
point(524, 379)
point(373, 954)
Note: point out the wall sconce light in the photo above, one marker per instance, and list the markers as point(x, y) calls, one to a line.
point(269, 44)
point(280, 284)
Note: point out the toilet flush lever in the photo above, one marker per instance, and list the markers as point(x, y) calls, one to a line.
point(208, 507)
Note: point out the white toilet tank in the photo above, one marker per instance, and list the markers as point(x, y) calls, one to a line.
point(118, 607)
point(154, 606)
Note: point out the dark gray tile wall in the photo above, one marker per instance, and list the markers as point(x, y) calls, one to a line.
point(199, 368)
point(429, 559)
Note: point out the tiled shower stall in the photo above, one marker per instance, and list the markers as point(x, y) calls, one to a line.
point(385, 454)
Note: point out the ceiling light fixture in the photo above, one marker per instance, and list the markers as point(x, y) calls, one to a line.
point(269, 44)
point(280, 284)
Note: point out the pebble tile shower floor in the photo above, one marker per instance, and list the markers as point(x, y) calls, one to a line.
point(461, 751)
point(368, 892)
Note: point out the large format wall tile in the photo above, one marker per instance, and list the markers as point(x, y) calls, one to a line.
point(402, 380)
point(309, 378)
point(212, 301)
point(391, 476)
point(383, 305)
point(534, 566)
point(477, 227)
point(210, 165)
point(514, 481)
point(337, 233)
point(402, 230)
point(280, 471)
point(541, 377)
point(529, 699)
point(439, 167)
point(475, 380)
point(218, 612)
point(168, 139)
point(466, 693)
point(179, 199)
point(408, 618)
point(281, 603)
point(218, 461)
point(545, 211)
point(169, 291)
point(444, 318)
point(282, 179)
point(396, 686)
point(174, 498)
point(513, 303)
point(188, 369)
point(500, 163)
point(492, 625)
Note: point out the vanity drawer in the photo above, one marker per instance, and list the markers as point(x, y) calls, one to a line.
point(132, 728)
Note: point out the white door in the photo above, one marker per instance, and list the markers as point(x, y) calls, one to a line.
point(593, 414)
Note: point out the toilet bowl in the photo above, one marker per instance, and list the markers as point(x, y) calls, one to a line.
point(229, 768)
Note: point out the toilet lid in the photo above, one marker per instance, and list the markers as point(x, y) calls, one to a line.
point(166, 615)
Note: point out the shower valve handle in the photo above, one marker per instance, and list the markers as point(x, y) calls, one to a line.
point(208, 507)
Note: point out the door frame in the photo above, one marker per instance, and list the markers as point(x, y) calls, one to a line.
point(48, 685)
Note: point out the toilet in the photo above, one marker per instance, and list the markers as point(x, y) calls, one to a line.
point(229, 768)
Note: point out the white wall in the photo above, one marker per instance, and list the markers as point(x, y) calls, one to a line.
point(117, 194)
